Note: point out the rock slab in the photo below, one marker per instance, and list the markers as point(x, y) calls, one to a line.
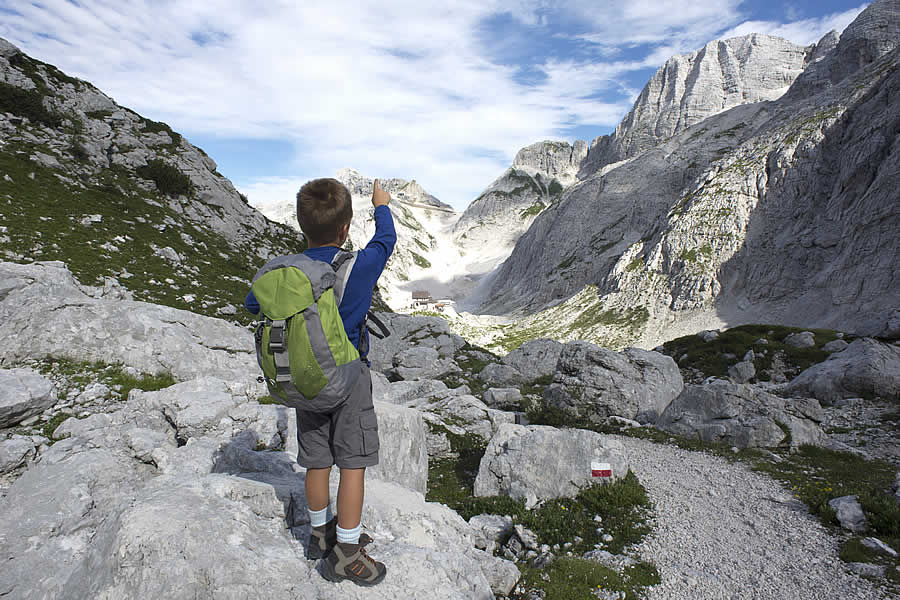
point(517, 463)
point(594, 382)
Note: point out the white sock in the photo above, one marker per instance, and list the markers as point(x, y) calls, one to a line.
point(348, 536)
point(317, 518)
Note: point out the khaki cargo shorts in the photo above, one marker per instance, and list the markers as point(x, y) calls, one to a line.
point(346, 437)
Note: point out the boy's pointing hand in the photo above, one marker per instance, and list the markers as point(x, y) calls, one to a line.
point(379, 196)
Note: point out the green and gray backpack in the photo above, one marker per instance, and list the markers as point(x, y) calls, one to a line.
point(306, 357)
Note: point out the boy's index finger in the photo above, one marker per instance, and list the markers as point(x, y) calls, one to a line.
point(377, 186)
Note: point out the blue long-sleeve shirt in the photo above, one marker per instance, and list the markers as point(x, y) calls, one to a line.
point(370, 262)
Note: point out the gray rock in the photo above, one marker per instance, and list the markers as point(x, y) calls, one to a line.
point(516, 462)
point(528, 538)
point(849, 513)
point(502, 575)
point(708, 335)
point(879, 547)
point(595, 382)
point(488, 530)
point(14, 453)
point(503, 398)
point(501, 375)
point(867, 569)
point(45, 307)
point(750, 356)
point(458, 415)
point(411, 331)
point(742, 372)
point(617, 562)
point(422, 362)
point(23, 394)
point(401, 392)
point(892, 329)
point(742, 416)
point(117, 473)
point(805, 339)
point(403, 453)
point(865, 368)
point(835, 346)
point(535, 358)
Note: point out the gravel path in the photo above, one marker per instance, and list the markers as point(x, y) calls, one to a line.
point(725, 532)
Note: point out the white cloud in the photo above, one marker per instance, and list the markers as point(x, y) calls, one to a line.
point(402, 88)
point(802, 32)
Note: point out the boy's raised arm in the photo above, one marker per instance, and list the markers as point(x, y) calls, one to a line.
point(382, 243)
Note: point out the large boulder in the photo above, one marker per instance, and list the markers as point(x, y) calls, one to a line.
point(15, 452)
point(535, 358)
point(151, 501)
point(517, 463)
point(403, 453)
point(866, 368)
point(743, 416)
point(596, 383)
point(407, 332)
point(458, 415)
point(50, 314)
point(421, 362)
point(23, 393)
point(501, 375)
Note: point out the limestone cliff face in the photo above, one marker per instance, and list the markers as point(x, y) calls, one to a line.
point(780, 211)
point(692, 87)
point(686, 90)
point(495, 220)
point(114, 194)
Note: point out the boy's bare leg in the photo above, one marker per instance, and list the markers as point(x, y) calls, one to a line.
point(317, 488)
point(350, 497)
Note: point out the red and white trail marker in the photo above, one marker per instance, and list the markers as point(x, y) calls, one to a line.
point(601, 471)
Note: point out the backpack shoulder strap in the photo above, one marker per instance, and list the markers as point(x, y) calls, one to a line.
point(342, 263)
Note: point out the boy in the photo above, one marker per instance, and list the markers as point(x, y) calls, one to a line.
point(348, 436)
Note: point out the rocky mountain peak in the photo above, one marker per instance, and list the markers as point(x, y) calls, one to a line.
point(873, 34)
point(555, 159)
point(7, 49)
point(721, 75)
point(778, 211)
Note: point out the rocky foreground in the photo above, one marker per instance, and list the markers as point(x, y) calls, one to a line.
point(192, 490)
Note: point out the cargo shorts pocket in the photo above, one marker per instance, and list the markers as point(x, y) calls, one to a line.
point(369, 424)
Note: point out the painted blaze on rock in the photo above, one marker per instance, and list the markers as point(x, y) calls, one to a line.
point(517, 462)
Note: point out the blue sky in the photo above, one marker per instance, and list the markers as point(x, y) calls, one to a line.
point(279, 92)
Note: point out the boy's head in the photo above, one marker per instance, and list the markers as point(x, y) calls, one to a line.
point(324, 210)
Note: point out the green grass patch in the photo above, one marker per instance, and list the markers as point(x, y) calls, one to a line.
point(571, 578)
point(566, 263)
point(636, 264)
point(709, 359)
point(556, 188)
point(82, 373)
point(28, 104)
point(688, 256)
point(817, 475)
point(50, 426)
point(421, 261)
point(168, 179)
point(533, 210)
point(44, 216)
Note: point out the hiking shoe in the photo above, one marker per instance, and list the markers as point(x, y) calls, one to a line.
point(323, 538)
point(350, 561)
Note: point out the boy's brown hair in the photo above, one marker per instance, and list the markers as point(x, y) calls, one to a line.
point(324, 206)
